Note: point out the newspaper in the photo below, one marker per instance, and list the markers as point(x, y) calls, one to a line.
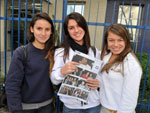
point(74, 84)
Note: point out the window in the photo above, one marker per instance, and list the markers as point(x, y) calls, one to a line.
point(75, 8)
point(130, 15)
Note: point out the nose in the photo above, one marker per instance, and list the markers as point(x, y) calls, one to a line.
point(76, 29)
point(115, 43)
point(43, 32)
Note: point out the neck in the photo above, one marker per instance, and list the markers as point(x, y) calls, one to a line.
point(75, 46)
point(79, 42)
point(113, 57)
point(39, 46)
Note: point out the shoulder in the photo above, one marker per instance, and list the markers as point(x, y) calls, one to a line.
point(18, 55)
point(22, 47)
point(21, 50)
point(131, 61)
point(18, 51)
point(131, 58)
point(59, 52)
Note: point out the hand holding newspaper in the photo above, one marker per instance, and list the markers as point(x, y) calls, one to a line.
point(74, 85)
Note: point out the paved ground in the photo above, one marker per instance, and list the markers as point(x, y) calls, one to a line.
point(4, 110)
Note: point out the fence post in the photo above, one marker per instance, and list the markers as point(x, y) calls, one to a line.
point(64, 13)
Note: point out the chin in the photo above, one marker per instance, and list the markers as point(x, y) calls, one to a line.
point(116, 53)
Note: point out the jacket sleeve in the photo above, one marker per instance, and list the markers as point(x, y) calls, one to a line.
point(56, 76)
point(14, 81)
point(132, 76)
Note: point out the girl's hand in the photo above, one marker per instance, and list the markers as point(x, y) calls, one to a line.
point(69, 68)
point(92, 83)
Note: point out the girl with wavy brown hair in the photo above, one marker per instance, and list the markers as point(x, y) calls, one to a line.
point(121, 72)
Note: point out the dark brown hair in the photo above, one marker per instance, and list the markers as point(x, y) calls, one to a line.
point(121, 31)
point(50, 43)
point(66, 37)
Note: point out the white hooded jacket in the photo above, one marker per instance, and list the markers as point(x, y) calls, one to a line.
point(119, 91)
point(57, 78)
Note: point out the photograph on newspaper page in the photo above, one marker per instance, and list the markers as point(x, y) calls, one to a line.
point(74, 84)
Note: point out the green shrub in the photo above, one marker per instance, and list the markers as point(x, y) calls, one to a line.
point(146, 72)
point(144, 64)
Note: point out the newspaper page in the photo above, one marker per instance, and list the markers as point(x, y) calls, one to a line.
point(74, 84)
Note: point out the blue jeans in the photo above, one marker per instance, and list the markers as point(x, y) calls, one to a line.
point(45, 109)
point(89, 110)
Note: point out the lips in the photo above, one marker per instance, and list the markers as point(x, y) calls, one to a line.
point(118, 50)
point(43, 38)
point(77, 35)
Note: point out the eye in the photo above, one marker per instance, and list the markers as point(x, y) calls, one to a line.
point(48, 29)
point(70, 28)
point(120, 40)
point(39, 28)
point(110, 40)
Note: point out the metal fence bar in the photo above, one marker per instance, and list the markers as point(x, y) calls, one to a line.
point(64, 13)
point(33, 9)
point(0, 44)
point(55, 12)
point(122, 11)
point(48, 6)
point(129, 19)
point(89, 23)
point(82, 8)
point(144, 87)
point(144, 32)
point(0, 39)
point(74, 5)
point(26, 16)
point(148, 107)
point(12, 30)
point(19, 16)
point(114, 11)
point(5, 61)
point(41, 5)
point(89, 10)
point(138, 20)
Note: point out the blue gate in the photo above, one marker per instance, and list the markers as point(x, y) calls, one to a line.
point(15, 17)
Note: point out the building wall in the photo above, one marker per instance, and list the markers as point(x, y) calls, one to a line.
point(2, 25)
point(95, 31)
point(97, 14)
point(142, 40)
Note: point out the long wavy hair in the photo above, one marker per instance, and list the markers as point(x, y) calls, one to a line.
point(50, 43)
point(66, 37)
point(121, 31)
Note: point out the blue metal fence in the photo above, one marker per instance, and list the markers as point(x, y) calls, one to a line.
point(141, 41)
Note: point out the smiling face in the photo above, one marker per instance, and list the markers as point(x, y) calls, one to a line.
point(116, 44)
point(42, 32)
point(76, 32)
point(84, 61)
